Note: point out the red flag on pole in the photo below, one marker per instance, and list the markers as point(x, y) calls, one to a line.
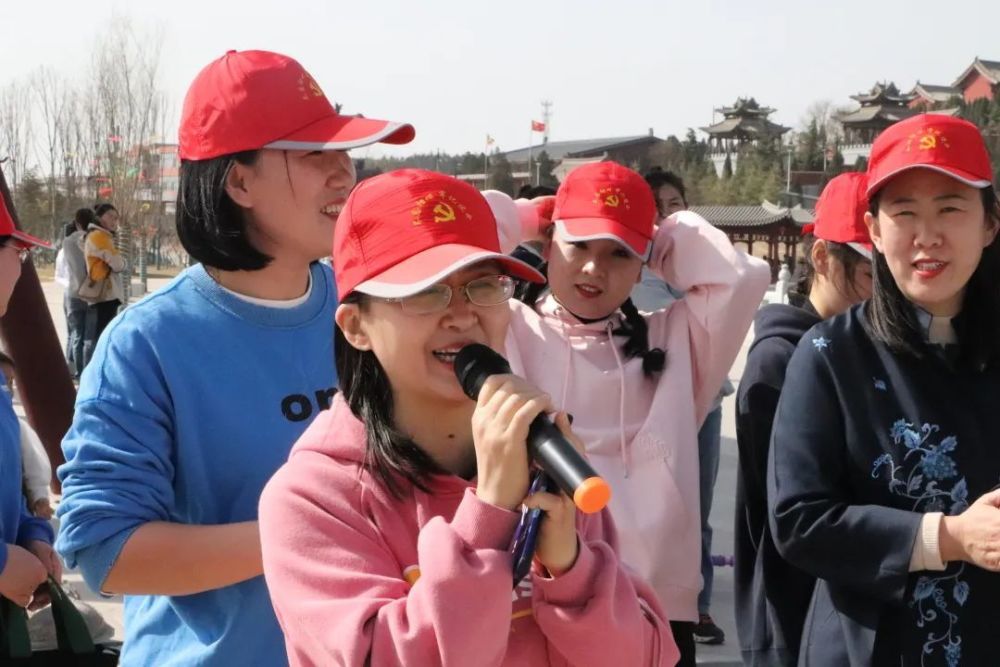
point(537, 126)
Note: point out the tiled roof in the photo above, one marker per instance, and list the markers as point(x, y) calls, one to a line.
point(752, 215)
point(882, 93)
point(870, 113)
point(557, 150)
point(936, 93)
point(988, 68)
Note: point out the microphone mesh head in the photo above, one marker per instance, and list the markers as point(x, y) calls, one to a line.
point(476, 362)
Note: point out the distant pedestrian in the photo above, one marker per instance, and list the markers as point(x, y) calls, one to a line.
point(75, 308)
point(104, 266)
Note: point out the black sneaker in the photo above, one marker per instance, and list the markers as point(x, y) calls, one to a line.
point(707, 632)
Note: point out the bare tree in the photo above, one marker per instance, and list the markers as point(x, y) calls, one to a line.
point(78, 159)
point(825, 114)
point(51, 94)
point(126, 110)
point(16, 131)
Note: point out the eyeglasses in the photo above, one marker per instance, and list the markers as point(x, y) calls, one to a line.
point(486, 291)
point(22, 253)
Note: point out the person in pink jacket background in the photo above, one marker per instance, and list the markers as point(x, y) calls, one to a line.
point(385, 537)
point(639, 385)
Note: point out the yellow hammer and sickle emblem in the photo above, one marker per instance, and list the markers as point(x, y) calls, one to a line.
point(612, 201)
point(927, 142)
point(444, 213)
point(309, 86)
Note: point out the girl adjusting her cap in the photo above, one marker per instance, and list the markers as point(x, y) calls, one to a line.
point(639, 384)
point(196, 394)
point(834, 273)
point(385, 536)
point(883, 470)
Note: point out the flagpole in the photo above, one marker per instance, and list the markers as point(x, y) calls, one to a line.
point(530, 138)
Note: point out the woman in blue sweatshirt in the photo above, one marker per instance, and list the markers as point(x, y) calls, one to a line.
point(26, 555)
point(834, 273)
point(884, 464)
point(196, 394)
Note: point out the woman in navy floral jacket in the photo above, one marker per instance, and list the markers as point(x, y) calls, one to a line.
point(885, 453)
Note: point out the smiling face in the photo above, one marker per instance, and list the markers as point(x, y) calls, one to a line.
point(418, 351)
point(932, 230)
point(593, 278)
point(293, 200)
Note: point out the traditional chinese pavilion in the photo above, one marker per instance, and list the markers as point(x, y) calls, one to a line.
point(882, 106)
point(746, 122)
point(767, 231)
point(926, 96)
point(980, 79)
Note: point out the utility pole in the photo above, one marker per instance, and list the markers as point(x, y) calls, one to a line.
point(546, 116)
point(788, 176)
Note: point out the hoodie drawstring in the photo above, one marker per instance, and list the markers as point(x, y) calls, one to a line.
point(621, 398)
point(568, 364)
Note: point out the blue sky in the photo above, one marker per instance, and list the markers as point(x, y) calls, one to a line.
point(460, 70)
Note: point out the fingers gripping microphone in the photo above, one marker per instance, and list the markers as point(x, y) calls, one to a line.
point(546, 443)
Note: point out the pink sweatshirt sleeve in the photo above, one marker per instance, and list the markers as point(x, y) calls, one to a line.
point(340, 596)
point(723, 289)
point(598, 613)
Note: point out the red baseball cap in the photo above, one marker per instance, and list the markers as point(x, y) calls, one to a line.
point(7, 228)
point(247, 100)
point(840, 213)
point(604, 200)
point(403, 231)
point(945, 144)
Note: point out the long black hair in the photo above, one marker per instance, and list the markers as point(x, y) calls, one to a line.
point(634, 327)
point(805, 272)
point(391, 458)
point(893, 320)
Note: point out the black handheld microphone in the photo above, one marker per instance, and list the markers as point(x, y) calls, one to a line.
point(546, 444)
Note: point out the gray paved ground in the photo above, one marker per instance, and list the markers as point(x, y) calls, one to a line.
point(721, 518)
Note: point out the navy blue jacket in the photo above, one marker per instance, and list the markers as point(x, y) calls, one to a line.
point(772, 596)
point(865, 442)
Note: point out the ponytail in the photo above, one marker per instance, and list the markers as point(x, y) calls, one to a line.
point(635, 327)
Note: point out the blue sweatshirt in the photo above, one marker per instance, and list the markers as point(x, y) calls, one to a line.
point(192, 401)
point(17, 526)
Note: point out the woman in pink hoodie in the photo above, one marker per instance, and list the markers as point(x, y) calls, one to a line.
point(385, 536)
point(639, 385)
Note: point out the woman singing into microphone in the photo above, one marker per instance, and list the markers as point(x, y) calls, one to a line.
point(385, 536)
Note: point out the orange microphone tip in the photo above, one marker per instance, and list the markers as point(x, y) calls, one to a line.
point(592, 495)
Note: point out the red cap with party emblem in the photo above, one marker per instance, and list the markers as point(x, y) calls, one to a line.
point(7, 228)
point(403, 231)
point(840, 213)
point(605, 200)
point(248, 100)
point(946, 144)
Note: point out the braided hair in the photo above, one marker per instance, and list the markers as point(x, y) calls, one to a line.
point(653, 360)
point(634, 327)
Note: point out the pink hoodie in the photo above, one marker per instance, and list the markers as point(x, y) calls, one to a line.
point(641, 434)
point(358, 577)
